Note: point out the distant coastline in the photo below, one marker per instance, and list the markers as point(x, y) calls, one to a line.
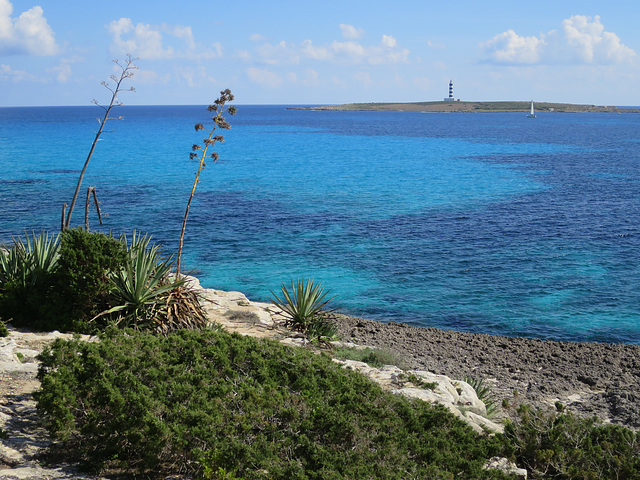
point(479, 107)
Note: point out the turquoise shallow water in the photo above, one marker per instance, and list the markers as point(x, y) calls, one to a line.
point(489, 223)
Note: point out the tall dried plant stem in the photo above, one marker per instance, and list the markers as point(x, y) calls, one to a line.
point(218, 122)
point(126, 72)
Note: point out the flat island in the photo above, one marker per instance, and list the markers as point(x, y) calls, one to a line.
point(480, 107)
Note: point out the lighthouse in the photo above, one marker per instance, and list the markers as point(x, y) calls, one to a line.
point(450, 98)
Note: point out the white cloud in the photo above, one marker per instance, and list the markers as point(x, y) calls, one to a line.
point(342, 52)
point(195, 77)
point(582, 40)
point(264, 77)
point(152, 42)
point(279, 54)
point(8, 73)
point(509, 47)
point(63, 72)
point(309, 50)
point(29, 34)
point(592, 44)
point(350, 32)
point(256, 37)
point(388, 41)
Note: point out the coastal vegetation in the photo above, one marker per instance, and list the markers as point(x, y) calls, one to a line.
point(305, 307)
point(199, 152)
point(239, 407)
point(158, 401)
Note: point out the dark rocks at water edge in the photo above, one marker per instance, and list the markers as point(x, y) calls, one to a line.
point(588, 378)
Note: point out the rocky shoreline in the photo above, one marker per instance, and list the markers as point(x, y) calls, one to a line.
point(589, 379)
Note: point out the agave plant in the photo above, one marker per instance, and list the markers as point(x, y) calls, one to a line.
point(30, 260)
point(148, 296)
point(139, 287)
point(304, 307)
point(484, 393)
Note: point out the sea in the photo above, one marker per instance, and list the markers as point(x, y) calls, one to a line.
point(478, 222)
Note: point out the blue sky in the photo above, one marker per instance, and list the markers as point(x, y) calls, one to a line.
point(55, 52)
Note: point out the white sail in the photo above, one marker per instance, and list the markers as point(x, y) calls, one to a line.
point(533, 112)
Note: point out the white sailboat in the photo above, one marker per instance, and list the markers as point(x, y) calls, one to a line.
point(533, 112)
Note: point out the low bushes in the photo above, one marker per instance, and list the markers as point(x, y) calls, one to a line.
point(237, 407)
point(563, 446)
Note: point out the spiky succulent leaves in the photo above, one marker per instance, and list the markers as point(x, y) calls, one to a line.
point(29, 260)
point(303, 305)
point(138, 289)
point(12, 265)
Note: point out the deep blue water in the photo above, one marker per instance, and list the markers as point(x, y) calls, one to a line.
point(490, 223)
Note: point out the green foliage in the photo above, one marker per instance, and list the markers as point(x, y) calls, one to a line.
point(59, 283)
point(82, 282)
point(303, 306)
point(30, 262)
point(484, 393)
point(419, 382)
point(4, 331)
point(137, 289)
point(231, 407)
point(144, 295)
point(561, 445)
point(26, 273)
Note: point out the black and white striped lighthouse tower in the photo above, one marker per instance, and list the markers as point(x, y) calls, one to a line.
point(450, 98)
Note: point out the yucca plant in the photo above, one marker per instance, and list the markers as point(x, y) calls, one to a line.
point(304, 306)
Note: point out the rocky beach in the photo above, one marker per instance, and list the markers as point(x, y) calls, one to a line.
point(588, 378)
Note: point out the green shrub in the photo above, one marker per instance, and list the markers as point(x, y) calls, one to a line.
point(561, 445)
point(303, 307)
point(81, 288)
point(237, 407)
point(58, 282)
